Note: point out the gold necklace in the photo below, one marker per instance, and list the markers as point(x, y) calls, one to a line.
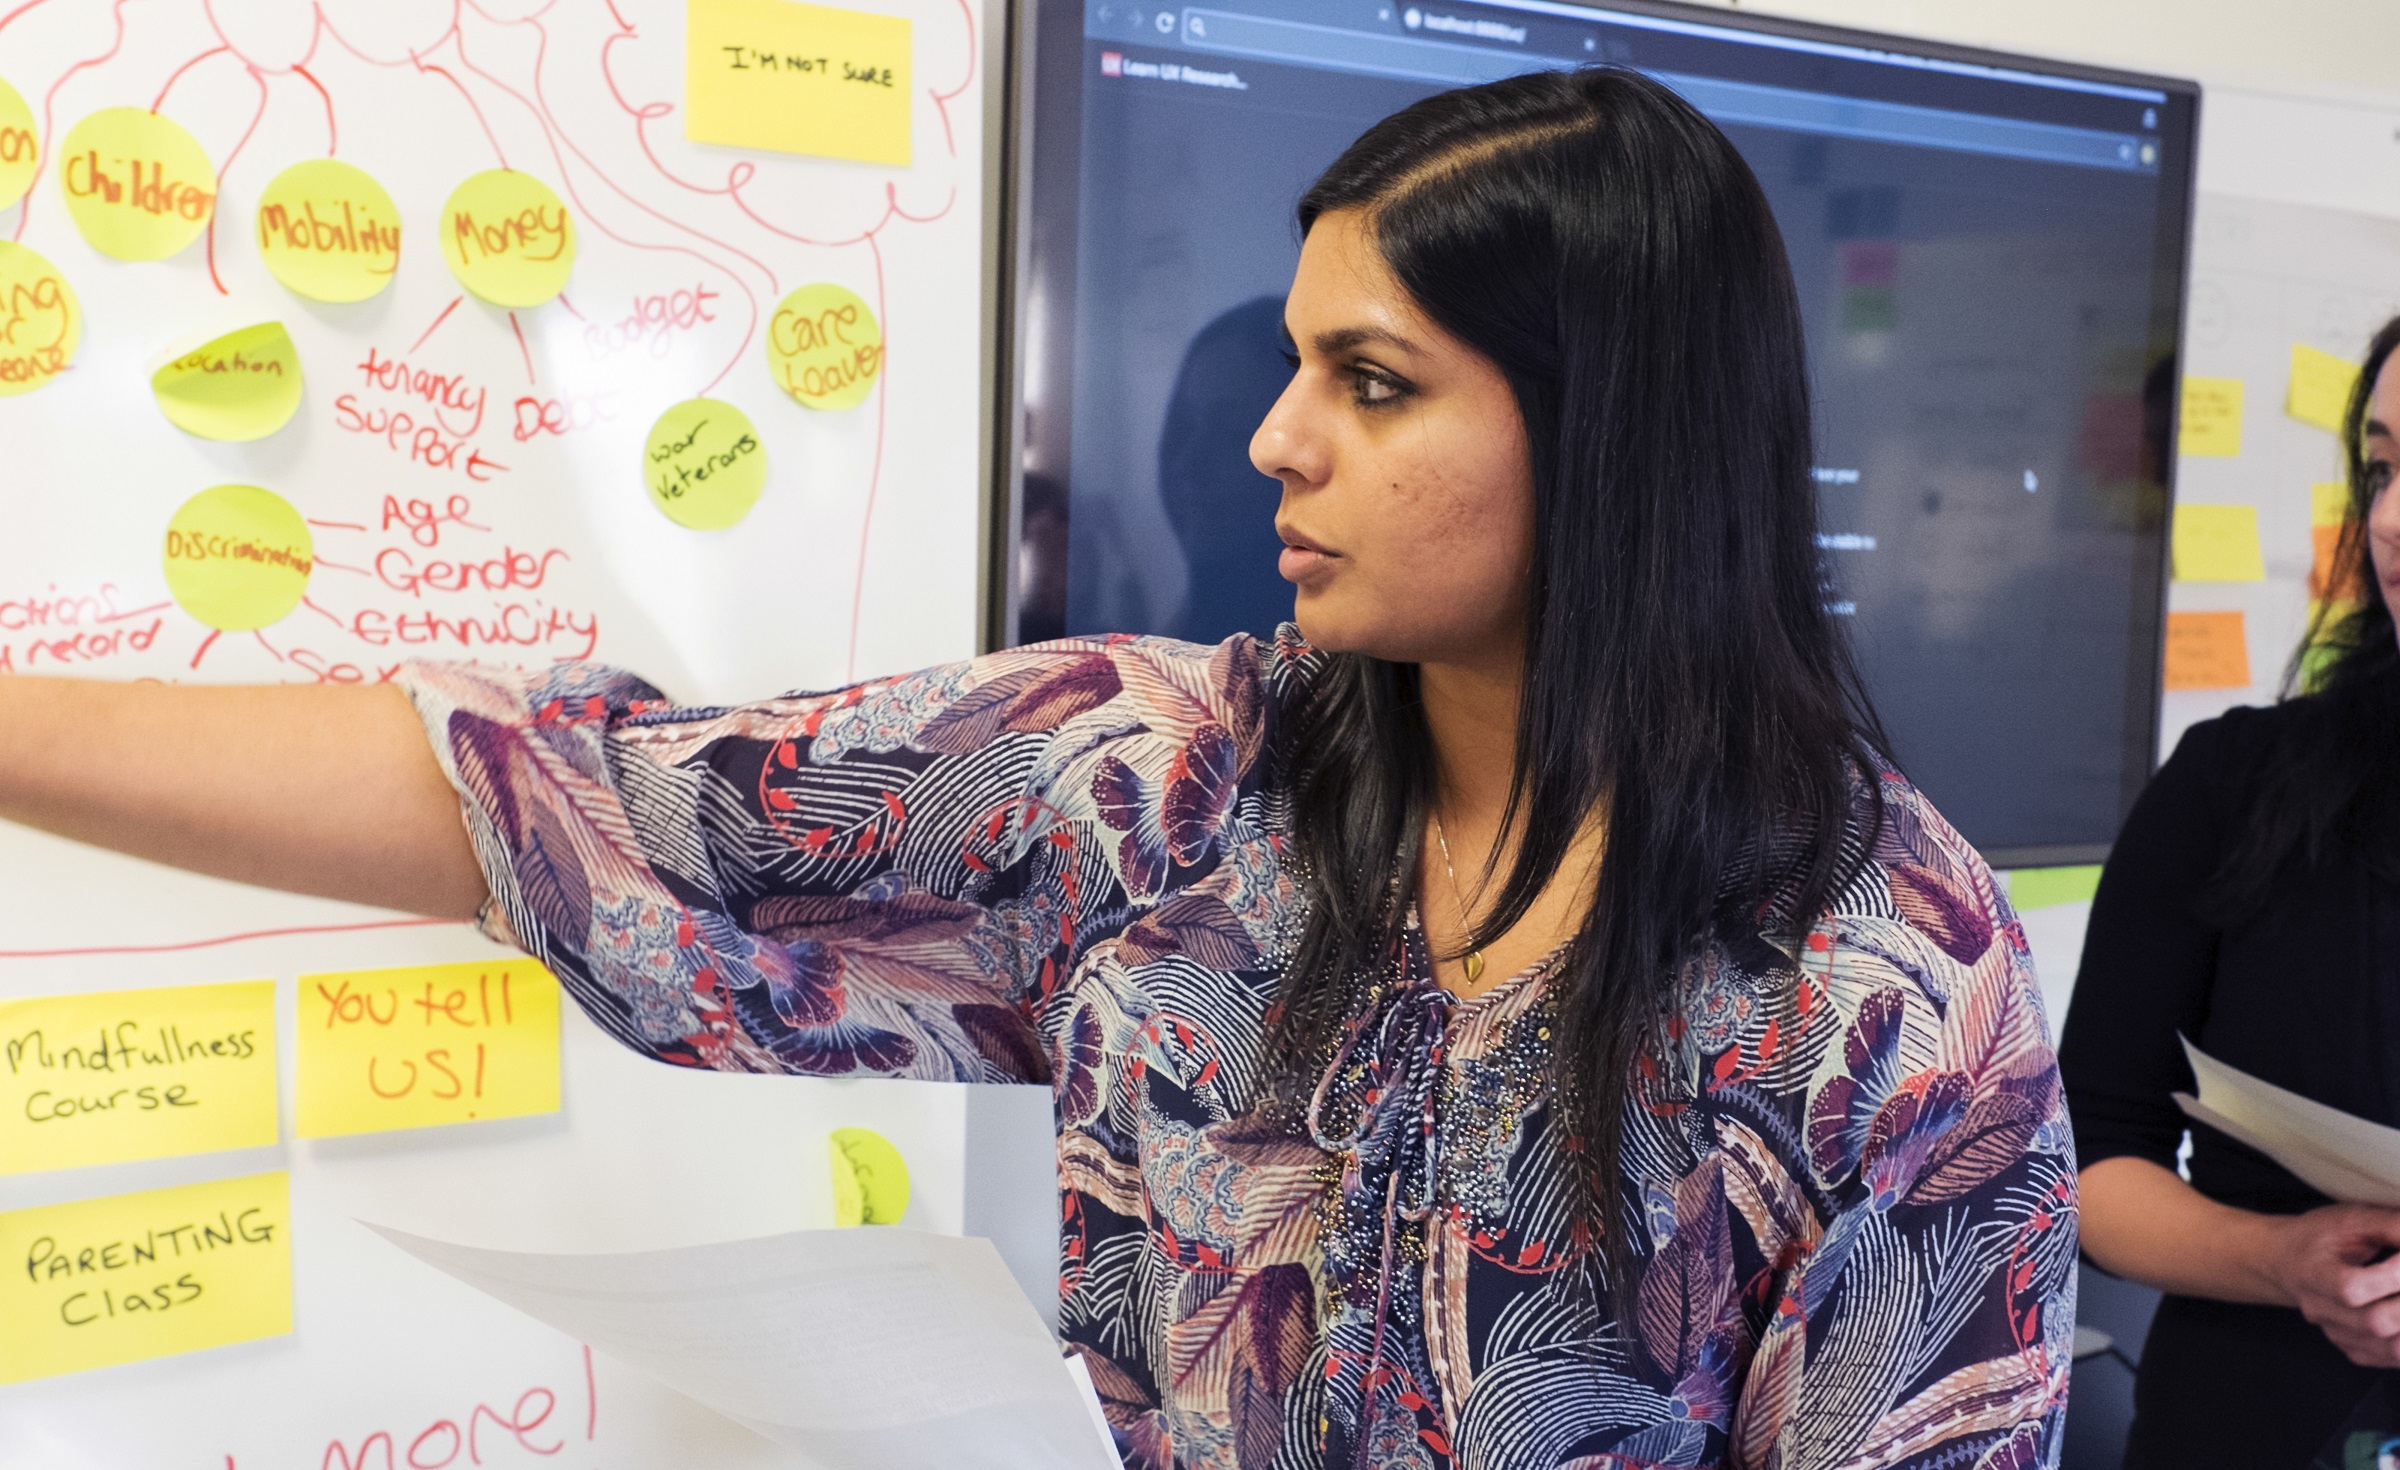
point(1474, 957)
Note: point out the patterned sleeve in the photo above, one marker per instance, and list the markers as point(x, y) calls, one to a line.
point(884, 879)
point(1930, 1320)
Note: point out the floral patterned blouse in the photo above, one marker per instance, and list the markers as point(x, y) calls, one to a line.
point(1070, 865)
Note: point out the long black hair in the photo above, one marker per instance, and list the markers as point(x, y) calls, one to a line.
point(2330, 787)
point(1604, 245)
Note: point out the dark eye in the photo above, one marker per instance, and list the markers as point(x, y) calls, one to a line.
point(1373, 388)
point(2379, 474)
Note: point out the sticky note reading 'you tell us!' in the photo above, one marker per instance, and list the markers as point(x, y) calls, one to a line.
point(425, 1045)
point(797, 78)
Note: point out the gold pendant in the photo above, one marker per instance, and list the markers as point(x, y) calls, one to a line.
point(1474, 963)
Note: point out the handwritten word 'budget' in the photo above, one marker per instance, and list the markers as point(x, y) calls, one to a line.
point(132, 1276)
point(137, 185)
point(41, 322)
point(426, 1045)
point(136, 1074)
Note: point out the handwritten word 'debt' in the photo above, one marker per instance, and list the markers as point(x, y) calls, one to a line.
point(426, 1045)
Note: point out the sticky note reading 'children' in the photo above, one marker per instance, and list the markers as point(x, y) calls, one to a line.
point(20, 146)
point(2207, 650)
point(825, 347)
point(704, 464)
point(508, 238)
point(797, 78)
point(137, 185)
point(105, 1281)
point(243, 385)
point(425, 1045)
point(2320, 389)
point(2212, 417)
point(328, 231)
point(44, 321)
point(2217, 543)
point(238, 557)
point(136, 1074)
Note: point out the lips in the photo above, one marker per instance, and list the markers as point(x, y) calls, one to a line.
point(1302, 558)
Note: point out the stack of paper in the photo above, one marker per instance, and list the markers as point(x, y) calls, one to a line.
point(2341, 1155)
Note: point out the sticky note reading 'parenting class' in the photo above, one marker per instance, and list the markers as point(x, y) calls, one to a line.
point(2320, 390)
point(46, 320)
point(2207, 650)
point(243, 385)
point(20, 146)
point(136, 1074)
point(825, 347)
point(797, 78)
point(328, 231)
point(2212, 417)
point(2217, 543)
point(704, 464)
point(238, 557)
point(508, 238)
point(105, 1281)
point(2043, 888)
point(429, 1044)
point(137, 185)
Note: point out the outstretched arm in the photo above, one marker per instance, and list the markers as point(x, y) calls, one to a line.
point(316, 789)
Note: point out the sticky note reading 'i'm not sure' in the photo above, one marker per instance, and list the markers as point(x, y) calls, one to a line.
point(2207, 650)
point(2320, 388)
point(797, 78)
point(2212, 417)
point(2217, 543)
point(136, 1074)
point(426, 1045)
point(99, 1282)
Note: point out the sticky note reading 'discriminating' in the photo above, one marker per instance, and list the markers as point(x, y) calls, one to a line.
point(328, 231)
point(2320, 389)
point(48, 320)
point(20, 146)
point(243, 385)
point(238, 557)
point(426, 1045)
point(2207, 650)
point(137, 185)
point(99, 1282)
point(2212, 417)
point(2217, 543)
point(136, 1074)
point(797, 78)
point(508, 238)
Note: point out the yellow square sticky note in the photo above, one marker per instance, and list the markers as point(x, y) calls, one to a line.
point(2042, 888)
point(797, 78)
point(136, 1074)
point(2207, 650)
point(2320, 390)
point(104, 1281)
point(428, 1044)
point(2328, 503)
point(2217, 543)
point(2212, 417)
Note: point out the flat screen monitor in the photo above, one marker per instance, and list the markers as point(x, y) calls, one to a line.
point(1990, 252)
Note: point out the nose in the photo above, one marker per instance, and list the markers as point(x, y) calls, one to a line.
point(1286, 446)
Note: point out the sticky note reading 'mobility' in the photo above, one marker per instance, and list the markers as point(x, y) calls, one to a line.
point(2320, 389)
point(242, 385)
point(426, 1045)
point(327, 230)
point(2212, 417)
point(2207, 650)
point(797, 78)
point(136, 1074)
point(2217, 543)
point(99, 1282)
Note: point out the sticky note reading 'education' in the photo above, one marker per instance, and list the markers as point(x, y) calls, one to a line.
point(105, 1281)
point(2207, 650)
point(2320, 388)
point(704, 464)
point(797, 78)
point(20, 146)
point(44, 321)
point(136, 1074)
point(238, 557)
point(243, 385)
point(2217, 543)
point(825, 347)
point(328, 231)
point(137, 185)
point(508, 239)
point(426, 1045)
point(2212, 417)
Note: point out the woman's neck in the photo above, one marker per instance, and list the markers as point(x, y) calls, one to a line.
point(1471, 716)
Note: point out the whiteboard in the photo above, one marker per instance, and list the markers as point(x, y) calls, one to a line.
point(862, 555)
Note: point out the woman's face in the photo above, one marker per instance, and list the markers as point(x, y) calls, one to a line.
point(2383, 460)
point(1407, 514)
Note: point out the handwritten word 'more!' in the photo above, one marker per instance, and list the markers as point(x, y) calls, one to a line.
point(152, 193)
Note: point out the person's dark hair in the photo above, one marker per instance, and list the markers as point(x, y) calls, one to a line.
point(2331, 785)
point(1602, 243)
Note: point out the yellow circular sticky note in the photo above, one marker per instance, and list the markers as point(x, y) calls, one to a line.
point(825, 347)
point(238, 557)
point(20, 146)
point(243, 385)
point(137, 185)
point(870, 1180)
point(704, 464)
point(40, 320)
point(328, 231)
point(508, 238)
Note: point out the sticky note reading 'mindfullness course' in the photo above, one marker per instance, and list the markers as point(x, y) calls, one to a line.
point(797, 78)
point(425, 1045)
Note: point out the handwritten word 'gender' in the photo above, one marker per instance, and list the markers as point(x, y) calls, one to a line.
point(49, 1259)
point(151, 193)
point(511, 571)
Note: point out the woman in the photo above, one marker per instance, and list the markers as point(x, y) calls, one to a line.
point(2249, 906)
point(1514, 1020)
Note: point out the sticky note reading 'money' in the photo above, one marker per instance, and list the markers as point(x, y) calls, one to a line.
point(137, 185)
point(2207, 650)
point(2212, 417)
point(825, 347)
point(704, 464)
point(2217, 543)
point(507, 238)
point(20, 146)
point(425, 1045)
point(105, 1281)
point(2320, 388)
point(136, 1074)
point(46, 320)
point(797, 78)
point(328, 231)
point(243, 385)
point(238, 557)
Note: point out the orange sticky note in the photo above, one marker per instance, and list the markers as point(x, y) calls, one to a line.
point(426, 1045)
point(2207, 650)
point(2325, 578)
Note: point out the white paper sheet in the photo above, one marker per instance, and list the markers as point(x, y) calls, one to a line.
point(2339, 1154)
point(870, 1349)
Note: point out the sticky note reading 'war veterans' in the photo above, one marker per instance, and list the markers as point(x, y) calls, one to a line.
point(105, 1281)
point(136, 1074)
point(2212, 417)
point(425, 1045)
point(2217, 543)
point(797, 78)
point(2207, 650)
point(704, 464)
point(2320, 388)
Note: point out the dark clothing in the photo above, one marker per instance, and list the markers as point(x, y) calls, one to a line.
point(2299, 993)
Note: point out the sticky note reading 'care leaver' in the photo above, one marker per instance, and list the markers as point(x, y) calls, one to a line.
point(430, 1044)
point(2217, 543)
point(105, 1281)
point(20, 146)
point(243, 385)
point(825, 347)
point(46, 321)
point(136, 1074)
point(797, 78)
point(328, 231)
point(2212, 417)
point(137, 185)
point(704, 464)
point(2320, 388)
point(508, 239)
point(238, 557)
point(2207, 650)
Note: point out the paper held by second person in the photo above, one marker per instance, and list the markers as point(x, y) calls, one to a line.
point(2339, 1154)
